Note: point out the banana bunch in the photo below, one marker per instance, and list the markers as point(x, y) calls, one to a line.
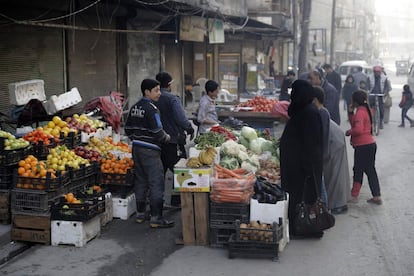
point(206, 156)
point(193, 162)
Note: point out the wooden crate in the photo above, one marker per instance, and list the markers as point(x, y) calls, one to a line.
point(31, 228)
point(5, 207)
point(194, 215)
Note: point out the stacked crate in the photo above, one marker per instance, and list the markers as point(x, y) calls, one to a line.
point(223, 217)
point(31, 202)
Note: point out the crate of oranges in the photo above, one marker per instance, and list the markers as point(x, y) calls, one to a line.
point(33, 174)
point(71, 208)
point(117, 174)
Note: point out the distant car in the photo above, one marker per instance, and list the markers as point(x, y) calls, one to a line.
point(350, 67)
point(402, 67)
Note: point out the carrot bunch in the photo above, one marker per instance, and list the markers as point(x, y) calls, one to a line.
point(239, 173)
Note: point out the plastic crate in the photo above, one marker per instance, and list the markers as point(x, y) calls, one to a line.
point(75, 211)
point(99, 197)
point(22, 92)
point(224, 215)
point(81, 184)
point(32, 201)
point(74, 232)
point(6, 176)
point(71, 141)
point(252, 249)
point(41, 151)
point(84, 171)
point(12, 157)
point(119, 185)
point(48, 184)
point(5, 214)
point(219, 237)
point(123, 208)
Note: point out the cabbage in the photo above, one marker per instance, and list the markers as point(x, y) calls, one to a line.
point(249, 166)
point(267, 145)
point(242, 156)
point(230, 147)
point(249, 133)
point(230, 163)
point(243, 141)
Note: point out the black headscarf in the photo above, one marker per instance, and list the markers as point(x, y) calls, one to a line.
point(302, 95)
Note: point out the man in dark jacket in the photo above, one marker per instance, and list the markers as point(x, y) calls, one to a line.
point(286, 85)
point(333, 77)
point(331, 95)
point(175, 123)
point(143, 126)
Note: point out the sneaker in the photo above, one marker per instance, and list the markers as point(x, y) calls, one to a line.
point(401, 125)
point(381, 126)
point(141, 217)
point(412, 124)
point(161, 223)
point(340, 210)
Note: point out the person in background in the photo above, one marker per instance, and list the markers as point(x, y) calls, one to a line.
point(360, 78)
point(176, 124)
point(349, 88)
point(301, 151)
point(364, 145)
point(287, 83)
point(405, 104)
point(333, 77)
point(206, 113)
point(378, 83)
point(335, 163)
point(318, 101)
point(331, 95)
point(143, 126)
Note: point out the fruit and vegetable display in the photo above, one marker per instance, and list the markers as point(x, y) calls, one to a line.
point(57, 126)
point(205, 157)
point(115, 165)
point(256, 231)
point(38, 136)
point(90, 154)
point(61, 157)
point(209, 139)
point(259, 104)
point(225, 131)
point(106, 145)
point(10, 142)
point(84, 123)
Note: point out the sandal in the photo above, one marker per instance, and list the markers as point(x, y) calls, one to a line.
point(373, 200)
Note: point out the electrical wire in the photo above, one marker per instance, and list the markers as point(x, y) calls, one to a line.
point(150, 3)
point(68, 15)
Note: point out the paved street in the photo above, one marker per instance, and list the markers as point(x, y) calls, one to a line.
point(368, 240)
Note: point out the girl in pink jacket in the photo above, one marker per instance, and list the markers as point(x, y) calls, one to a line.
point(363, 141)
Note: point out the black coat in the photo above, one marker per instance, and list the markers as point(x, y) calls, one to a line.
point(301, 150)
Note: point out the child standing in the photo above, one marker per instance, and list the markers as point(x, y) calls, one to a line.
point(365, 147)
point(405, 104)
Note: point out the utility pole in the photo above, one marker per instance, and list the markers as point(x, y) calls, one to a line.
point(332, 48)
point(304, 35)
point(295, 35)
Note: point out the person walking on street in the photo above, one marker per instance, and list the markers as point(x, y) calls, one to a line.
point(143, 126)
point(349, 88)
point(207, 113)
point(301, 151)
point(365, 147)
point(405, 104)
point(176, 124)
point(360, 78)
point(331, 95)
point(378, 83)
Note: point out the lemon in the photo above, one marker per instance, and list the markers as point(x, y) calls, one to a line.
point(56, 120)
point(51, 124)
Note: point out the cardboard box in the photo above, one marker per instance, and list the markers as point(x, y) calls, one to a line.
point(22, 92)
point(191, 179)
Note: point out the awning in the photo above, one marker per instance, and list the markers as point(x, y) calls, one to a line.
point(255, 27)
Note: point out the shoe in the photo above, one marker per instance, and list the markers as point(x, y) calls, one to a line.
point(354, 199)
point(160, 222)
point(374, 200)
point(412, 124)
point(401, 125)
point(381, 126)
point(340, 210)
point(141, 217)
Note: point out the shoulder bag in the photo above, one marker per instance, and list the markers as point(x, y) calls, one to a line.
point(313, 218)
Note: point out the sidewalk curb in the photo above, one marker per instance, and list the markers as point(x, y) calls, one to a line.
point(12, 249)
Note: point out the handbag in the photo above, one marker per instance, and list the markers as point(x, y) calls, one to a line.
point(310, 219)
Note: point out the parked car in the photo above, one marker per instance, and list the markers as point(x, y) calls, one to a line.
point(350, 67)
point(401, 67)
